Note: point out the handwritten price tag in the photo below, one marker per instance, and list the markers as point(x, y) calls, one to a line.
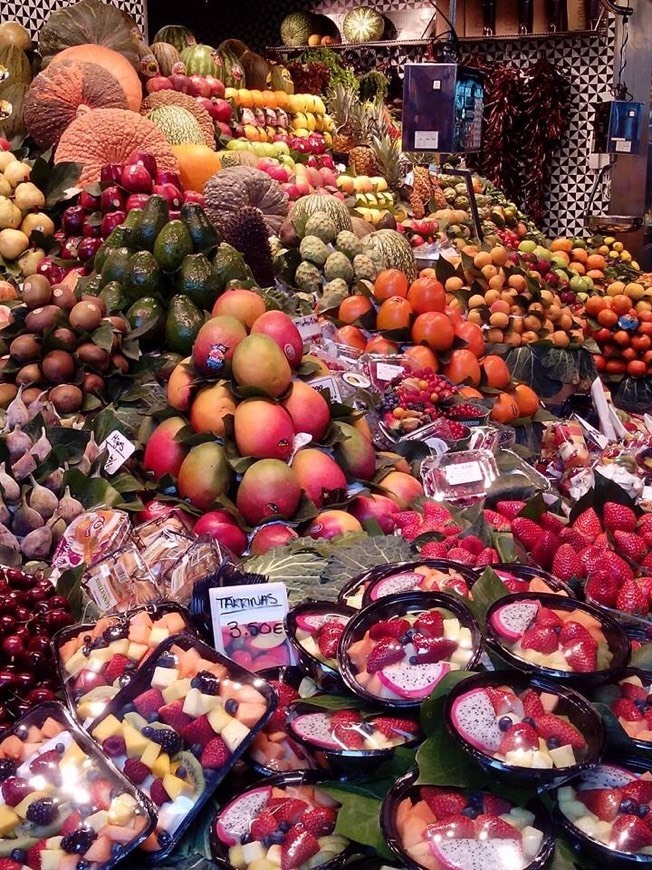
point(119, 450)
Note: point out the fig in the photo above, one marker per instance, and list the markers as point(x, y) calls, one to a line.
point(66, 398)
point(57, 526)
point(25, 348)
point(58, 366)
point(23, 467)
point(8, 486)
point(42, 500)
point(69, 507)
point(36, 291)
point(7, 539)
point(30, 397)
point(37, 544)
point(17, 413)
point(42, 318)
point(86, 316)
point(26, 519)
point(41, 449)
point(18, 442)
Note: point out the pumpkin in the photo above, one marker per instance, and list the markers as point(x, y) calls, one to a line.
point(175, 35)
point(257, 71)
point(19, 71)
point(197, 163)
point(184, 101)
point(12, 98)
point(166, 56)
point(62, 92)
point(89, 21)
point(178, 125)
point(394, 249)
point(110, 136)
point(233, 189)
point(330, 205)
point(114, 63)
point(13, 33)
point(363, 24)
point(234, 46)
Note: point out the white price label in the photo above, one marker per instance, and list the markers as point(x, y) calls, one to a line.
point(465, 472)
point(100, 590)
point(327, 384)
point(387, 372)
point(308, 326)
point(119, 450)
point(426, 140)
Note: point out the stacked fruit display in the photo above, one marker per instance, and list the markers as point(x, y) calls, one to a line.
point(373, 201)
point(621, 324)
point(298, 120)
point(296, 179)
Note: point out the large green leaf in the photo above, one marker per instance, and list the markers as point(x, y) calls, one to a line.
point(367, 553)
point(359, 817)
point(488, 589)
point(432, 709)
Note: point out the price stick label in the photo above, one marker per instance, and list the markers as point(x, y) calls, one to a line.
point(465, 472)
point(248, 624)
point(308, 327)
point(327, 384)
point(119, 450)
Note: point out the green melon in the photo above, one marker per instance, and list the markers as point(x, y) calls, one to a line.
point(394, 249)
point(296, 28)
point(363, 24)
point(176, 35)
point(307, 206)
point(177, 125)
point(202, 60)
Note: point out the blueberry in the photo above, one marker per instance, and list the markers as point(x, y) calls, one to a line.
point(60, 748)
point(194, 683)
point(153, 717)
point(87, 638)
point(504, 723)
point(19, 855)
point(181, 772)
point(405, 639)
point(147, 731)
point(628, 806)
point(128, 708)
point(284, 827)
point(277, 838)
point(528, 720)
point(470, 812)
point(21, 732)
point(643, 810)
point(196, 749)
point(552, 743)
point(266, 842)
point(86, 651)
point(413, 660)
point(100, 643)
point(163, 837)
point(167, 661)
point(231, 706)
point(476, 799)
point(84, 865)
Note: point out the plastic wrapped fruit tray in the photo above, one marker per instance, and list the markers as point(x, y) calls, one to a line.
point(511, 573)
point(314, 629)
point(179, 727)
point(60, 793)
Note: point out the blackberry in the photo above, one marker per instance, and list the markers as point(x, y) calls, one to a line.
point(7, 768)
point(167, 739)
point(207, 683)
point(83, 865)
point(116, 632)
point(78, 841)
point(42, 811)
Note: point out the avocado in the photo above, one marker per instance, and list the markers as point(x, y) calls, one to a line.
point(113, 297)
point(197, 280)
point(147, 312)
point(119, 237)
point(133, 219)
point(90, 286)
point(143, 276)
point(154, 217)
point(115, 265)
point(172, 244)
point(229, 265)
point(183, 322)
point(203, 234)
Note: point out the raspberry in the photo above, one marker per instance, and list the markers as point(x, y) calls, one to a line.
point(114, 747)
point(158, 793)
point(135, 770)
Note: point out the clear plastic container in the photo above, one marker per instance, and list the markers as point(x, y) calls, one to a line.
point(462, 477)
point(121, 581)
point(90, 537)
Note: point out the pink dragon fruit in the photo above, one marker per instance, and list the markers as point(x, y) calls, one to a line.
point(412, 682)
point(237, 816)
point(407, 581)
point(315, 727)
point(606, 776)
point(475, 719)
point(466, 854)
point(313, 621)
point(511, 620)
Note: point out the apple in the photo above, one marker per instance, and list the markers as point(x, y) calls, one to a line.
point(167, 177)
point(171, 194)
point(110, 221)
point(88, 247)
point(143, 158)
point(303, 187)
point(194, 196)
point(112, 199)
point(5, 144)
point(111, 173)
point(136, 200)
point(136, 179)
point(221, 526)
point(89, 201)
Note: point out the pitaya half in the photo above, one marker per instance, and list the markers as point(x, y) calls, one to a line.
point(407, 581)
point(412, 682)
point(474, 717)
point(237, 816)
point(511, 620)
point(315, 727)
point(466, 854)
point(606, 776)
point(312, 621)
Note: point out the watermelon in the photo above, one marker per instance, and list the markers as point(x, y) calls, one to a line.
point(176, 35)
point(202, 60)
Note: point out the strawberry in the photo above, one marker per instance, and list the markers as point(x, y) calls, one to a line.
point(632, 691)
point(450, 530)
point(593, 558)
point(14, 789)
point(515, 584)
point(527, 532)
point(71, 823)
point(148, 703)
point(328, 639)
point(434, 513)
point(602, 802)
point(571, 536)
point(630, 545)
point(287, 810)
point(630, 598)
point(115, 668)
point(581, 656)
point(616, 566)
point(567, 565)
point(198, 731)
point(588, 524)
point(627, 709)
point(519, 736)
point(297, 848)
point(135, 771)
point(496, 520)
point(640, 790)
point(433, 649)
point(286, 693)
point(510, 509)
point(550, 726)
point(552, 523)
point(456, 585)
point(461, 827)
point(10, 864)
point(488, 556)
point(394, 628)
point(215, 754)
point(348, 736)
point(618, 517)
point(345, 717)
point(172, 714)
point(430, 623)
point(264, 826)
point(495, 806)
point(435, 550)
point(472, 543)
point(495, 828)
point(33, 858)
point(501, 699)
point(392, 727)
point(444, 803)
point(101, 794)
point(532, 704)
point(409, 523)
point(544, 550)
point(458, 554)
point(320, 821)
point(158, 793)
point(647, 562)
point(575, 631)
point(601, 588)
point(645, 522)
point(386, 652)
point(540, 638)
point(603, 541)
point(630, 834)
point(547, 618)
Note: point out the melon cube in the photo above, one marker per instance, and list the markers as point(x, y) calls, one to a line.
point(541, 760)
point(175, 786)
point(151, 753)
point(119, 647)
point(139, 634)
point(563, 756)
point(50, 728)
point(163, 677)
point(142, 617)
point(274, 855)
point(234, 733)
point(549, 701)
point(51, 858)
point(197, 703)
point(250, 714)
point(118, 833)
point(136, 651)
point(452, 628)
point(236, 859)
point(176, 691)
point(108, 727)
point(98, 820)
point(76, 663)
point(9, 819)
point(69, 862)
point(413, 831)
point(219, 719)
point(12, 747)
point(310, 646)
point(253, 851)
point(69, 648)
point(588, 825)
point(574, 810)
point(532, 839)
point(519, 757)
point(134, 741)
point(174, 621)
point(157, 635)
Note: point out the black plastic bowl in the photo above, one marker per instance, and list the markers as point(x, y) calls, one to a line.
point(399, 605)
point(579, 711)
point(601, 695)
point(468, 575)
point(615, 634)
point(406, 787)
point(528, 573)
point(327, 678)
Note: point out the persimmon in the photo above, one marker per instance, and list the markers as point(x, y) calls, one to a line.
point(469, 393)
point(381, 345)
point(435, 329)
point(463, 367)
point(472, 335)
point(526, 399)
point(422, 357)
point(607, 317)
point(390, 282)
point(496, 371)
point(621, 304)
point(353, 308)
point(505, 409)
point(615, 366)
point(351, 336)
point(426, 294)
point(395, 313)
point(641, 342)
point(636, 368)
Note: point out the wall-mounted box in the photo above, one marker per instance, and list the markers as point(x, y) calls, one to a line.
point(617, 127)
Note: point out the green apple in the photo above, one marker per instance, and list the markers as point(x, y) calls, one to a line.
point(543, 253)
point(527, 246)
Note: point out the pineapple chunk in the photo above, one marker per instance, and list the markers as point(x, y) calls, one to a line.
point(108, 727)
point(234, 733)
point(136, 651)
point(235, 858)
point(253, 851)
point(161, 766)
point(73, 756)
point(151, 753)
point(452, 628)
point(219, 719)
point(197, 704)
point(157, 635)
point(135, 742)
point(122, 810)
point(541, 759)
point(563, 756)
point(163, 677)
point(51, 858)
point(176, 787)
point(8, 820)
point(98, 820)
point(177, 690)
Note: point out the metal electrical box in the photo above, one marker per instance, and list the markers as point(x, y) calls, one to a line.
point(617, 127)
point(442, 108)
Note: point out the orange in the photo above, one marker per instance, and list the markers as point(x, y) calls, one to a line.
point(505, 409)
point(636, 368)
point(607, 317)
point(381, 345)
point(390, 282)
point(463, 368)
point(526, 399)
point(495, 371)
point(197, 163)
point(394, 313)
point(472, 335)
point(580, 255)
point(353, 308)
point(621, 304)
point(562, 245)
point(422, 357)
point(595, 261)
point(426, 294)
point(595, 304)
point(435, 329)
point(351, 336)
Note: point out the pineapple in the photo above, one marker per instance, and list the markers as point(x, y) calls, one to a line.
point(362, 160)
point(387, 152)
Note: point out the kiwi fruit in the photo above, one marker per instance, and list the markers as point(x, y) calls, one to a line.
point(86, 315)
point(64, 297)
point(93, 356)
point(8, 393)
point(88, 297)
point(92, 383)
point(43, 318)
point(58, 366)
point(31, 394)
point(25, 348)
point(29, 374)
point(66, 398)
point(36, 291)
point(120, 362)
point(65, 337)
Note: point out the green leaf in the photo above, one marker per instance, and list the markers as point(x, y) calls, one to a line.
point(359, 817)
point(642, 657)
point(432, 709)
point(442, 762)
point(488, 589)
point(300, 571)
point(92, 492)
point(563, 857)
point(332, 702)
point(617, 737)
point(368, 553)
point(69, 585)
point(61, 178)
point(534, 508)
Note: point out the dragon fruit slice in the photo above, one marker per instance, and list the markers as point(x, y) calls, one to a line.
point(606, 776)
point(474, 717)
point(412, 681)
point(237, 816)
point(312, 621)
point(408, 581)
point(511, 620)
point(316, 728)
point(465, 854)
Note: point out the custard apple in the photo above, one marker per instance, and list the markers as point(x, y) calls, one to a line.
point(376, 258)
point(365, 268)
point(308, 278)
point(338, 266)
point(314, 250)
point(275, 245)
point(335, 292)
point(322, 226)
point(348, 243)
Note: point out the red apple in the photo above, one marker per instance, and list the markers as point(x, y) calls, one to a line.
point(136, 179)
point(375, 507)
point(136, 200)
point(193, 196)
point(111, 173)
point(221, 526)
point(111, 221)
point(89, 201)
point(171, 194)
point(143, 158)
point(167, 177)
point(88, 247)
point(112, 199)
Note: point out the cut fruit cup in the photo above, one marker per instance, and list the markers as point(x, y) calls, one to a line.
point(273, 751)
point(557, 637)
point(95, 660)
point(524, 729)
point(62, 802)
point(435, 827)
point(525, 578)
point(285, 821)
point(604, 814)
point(314, 629)
point(179, 727)
point(630, 700)
point(395, 651)
point(427, 575)
point(347, 743)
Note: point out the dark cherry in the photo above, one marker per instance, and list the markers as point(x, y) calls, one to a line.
point(22, 613)
point(43, 607)
point(38, 644)
point(18, 707)
point(58, 619)
point(8, 679)
point(23, 632)
point(13, 645)
point(40, 695)
point(59, 602)
point(7, 622)
point(25, 679)
point(36, 595)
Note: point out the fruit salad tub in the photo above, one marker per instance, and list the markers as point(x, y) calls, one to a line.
point(314, 629)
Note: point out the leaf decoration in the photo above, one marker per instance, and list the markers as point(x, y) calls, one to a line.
point(368, 553)
point(95, 492)
point(359, 817)
point(617, 738)
point(69, 585)
point(545, 368)
point(333, 702)
point(432, 709)
point(642, 657)
point(488, 589)
point(442, 762)
point(300, 571)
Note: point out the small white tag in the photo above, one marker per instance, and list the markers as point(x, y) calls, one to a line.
point(308, 326)
point(301, 439)
point(437, 445)
point(623, 146)
point(426, 140)
point(119, 450)
point(101, 593)
point(354, 379)
point(387, 372)
point(465, 472)
point(327, 383)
